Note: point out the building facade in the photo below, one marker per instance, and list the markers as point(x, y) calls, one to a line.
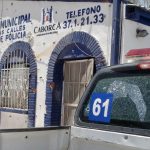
point(49, 51)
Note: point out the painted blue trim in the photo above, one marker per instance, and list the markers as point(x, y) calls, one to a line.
point(14, 110)
point(74, 51)
point(138, 14)
point(53, 105)
point(26, 48)
point(116, 32)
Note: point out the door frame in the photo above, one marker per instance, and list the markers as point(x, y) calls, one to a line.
point(62, 104)
point(90, 48)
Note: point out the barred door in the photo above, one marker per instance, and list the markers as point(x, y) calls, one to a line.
point(14, 82)
point(77, 75)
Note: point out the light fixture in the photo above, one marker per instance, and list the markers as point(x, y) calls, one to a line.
point(141, 33)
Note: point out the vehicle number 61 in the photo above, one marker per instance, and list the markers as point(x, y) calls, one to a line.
point(98, 105)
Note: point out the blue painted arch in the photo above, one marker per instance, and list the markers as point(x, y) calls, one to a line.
point(76, 45)
point(25, 48)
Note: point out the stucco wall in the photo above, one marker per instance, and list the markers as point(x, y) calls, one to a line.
point(63, 18)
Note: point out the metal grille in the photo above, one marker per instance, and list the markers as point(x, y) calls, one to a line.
point(77, 75)
point(14, 83)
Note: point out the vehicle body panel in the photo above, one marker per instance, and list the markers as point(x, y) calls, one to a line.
point(85, 134)
point(87, 139)
point(35, 139)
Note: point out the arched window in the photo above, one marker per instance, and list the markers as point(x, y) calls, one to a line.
point(15, 81)
point(18, 81)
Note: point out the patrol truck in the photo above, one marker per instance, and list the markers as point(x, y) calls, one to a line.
point(113, 114)
point(50, 50)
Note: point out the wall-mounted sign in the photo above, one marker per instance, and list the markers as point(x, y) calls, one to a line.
point(73, 18)
point(14, 28)
point(52, 20)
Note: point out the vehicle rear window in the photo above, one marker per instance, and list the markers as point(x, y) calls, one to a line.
point(130, 102)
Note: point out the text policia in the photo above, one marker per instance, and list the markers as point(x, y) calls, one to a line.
point(14, 28)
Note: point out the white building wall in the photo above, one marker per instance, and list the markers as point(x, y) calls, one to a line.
point(43, 43)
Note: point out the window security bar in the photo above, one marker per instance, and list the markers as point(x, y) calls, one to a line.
point(14, 82)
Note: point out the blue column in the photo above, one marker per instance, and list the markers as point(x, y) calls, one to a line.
point(116, 33)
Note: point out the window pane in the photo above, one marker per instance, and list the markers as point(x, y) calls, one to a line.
point(14, 81)
point(131, 105)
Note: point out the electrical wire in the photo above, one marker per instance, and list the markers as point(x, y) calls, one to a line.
point(82, 50)
point(85, 52)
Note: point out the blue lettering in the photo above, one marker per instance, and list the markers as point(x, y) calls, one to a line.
point(1, 38)
point(7, 36)
point(36, 30)
point(71, 14)
point(67, 14)
point(83, 11)
point(8, 30)
point(98, 8)
point(88, 11)
point(21, 19)
point(93, 11)
point(79, 12)
point(15, 36)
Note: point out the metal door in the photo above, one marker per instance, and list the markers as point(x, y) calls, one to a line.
point(77, 75)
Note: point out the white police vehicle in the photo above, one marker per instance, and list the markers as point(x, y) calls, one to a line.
point(113, 114)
